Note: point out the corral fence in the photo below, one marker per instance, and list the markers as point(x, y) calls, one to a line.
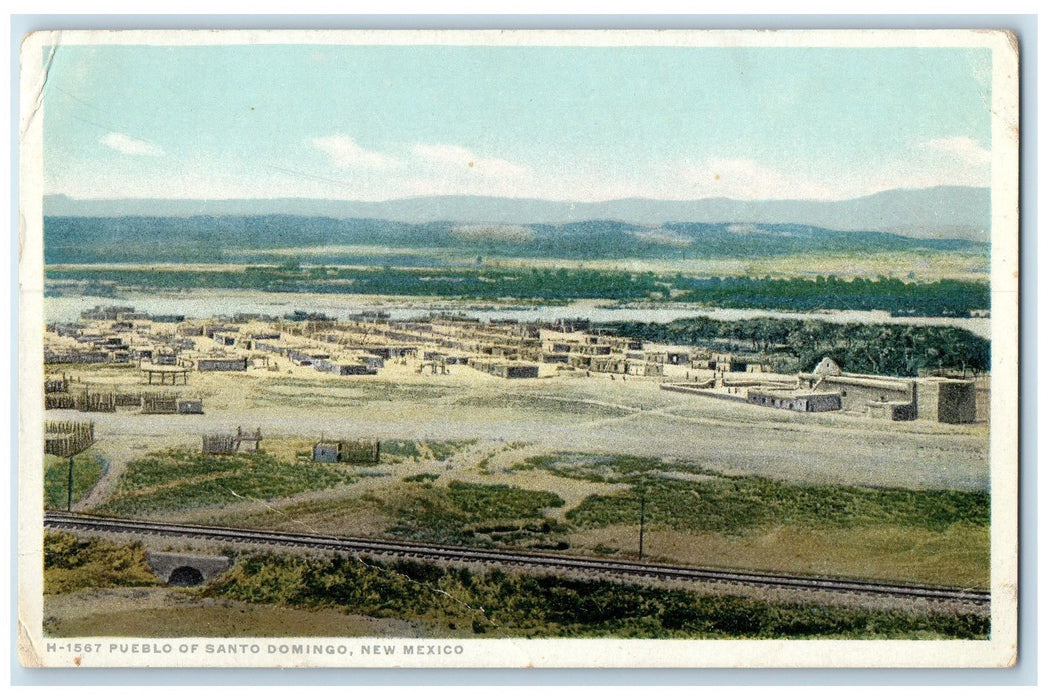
point(227, 444)
point(159, 403)
point(59, 401)
point(95, 402)
point(67, 438)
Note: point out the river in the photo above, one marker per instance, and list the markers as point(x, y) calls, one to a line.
point(227, 302)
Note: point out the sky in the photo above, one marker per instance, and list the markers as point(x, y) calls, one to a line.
point(562, 123)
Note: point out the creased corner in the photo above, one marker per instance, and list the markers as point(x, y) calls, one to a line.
point(37, 91)
point(28, 653)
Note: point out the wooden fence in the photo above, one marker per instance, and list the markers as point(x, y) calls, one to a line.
point(219, 444)
point(159, 403)
point(59, 401)
point(67, 438)
point(102, 402)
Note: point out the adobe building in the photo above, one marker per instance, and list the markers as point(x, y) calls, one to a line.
point(946, 400)
point(800, 401)
point(895, 398)
point(222, 364)
point(858, 391)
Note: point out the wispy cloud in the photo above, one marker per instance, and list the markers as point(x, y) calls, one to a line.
point(344, 152)
point(130, 146)
point(964, 148)
point(464, 160)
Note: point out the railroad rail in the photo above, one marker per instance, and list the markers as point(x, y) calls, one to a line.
point(450, 553)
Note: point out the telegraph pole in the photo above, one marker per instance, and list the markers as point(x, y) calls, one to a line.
point(67, 440)
point(69, 498)
point(640, 548)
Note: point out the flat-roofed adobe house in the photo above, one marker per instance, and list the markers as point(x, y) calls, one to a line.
point(896, 398)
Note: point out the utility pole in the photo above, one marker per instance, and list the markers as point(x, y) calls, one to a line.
point(69, 498)
point(67, 440)
point(640, 548)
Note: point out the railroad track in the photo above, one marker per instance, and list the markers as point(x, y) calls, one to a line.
point(449, 553)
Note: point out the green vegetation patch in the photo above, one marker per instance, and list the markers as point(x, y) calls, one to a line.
point(179, 480)
point(87, 470)
point(498, 604)
point(170, 465)
point(71, 564)
point(500, 502)
point(403, 449)
point(739, 505)
point(423, 478)
point(447, 448)
point(605, 468)
point(561, 284)
point(465, 513)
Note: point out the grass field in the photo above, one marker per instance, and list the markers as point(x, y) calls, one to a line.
point(589, 504)
point(87, 469)
point(697, 515)
point(94, 588)
point(176, 480)
point(470, 513)
point(739, 505)
point(692, 498)
point(693, 516)
point(496, 604)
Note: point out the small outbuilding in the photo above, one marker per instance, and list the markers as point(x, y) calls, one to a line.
point(327, 452)
point(190, 406)
point(354, 451)
point(222, 364)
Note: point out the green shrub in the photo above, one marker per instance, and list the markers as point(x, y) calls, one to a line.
point(550, 606)
point(407, 449)
point(72, 564)
point(423, 478)
point(460, 512)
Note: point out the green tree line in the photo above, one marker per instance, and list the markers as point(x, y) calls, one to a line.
point(798, 345)
point(553, 285)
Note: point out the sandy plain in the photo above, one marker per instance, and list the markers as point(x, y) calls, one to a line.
point(570, 412)
point(499, 423)
point(503, 422)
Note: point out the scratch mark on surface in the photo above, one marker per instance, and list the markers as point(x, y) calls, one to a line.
point(38, 93)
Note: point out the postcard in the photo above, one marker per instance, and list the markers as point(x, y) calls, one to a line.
point(518, 349)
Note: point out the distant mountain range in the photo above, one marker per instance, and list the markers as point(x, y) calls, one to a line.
point(278, 239)
point(932, 213)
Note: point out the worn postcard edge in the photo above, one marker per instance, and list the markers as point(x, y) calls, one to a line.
point(1000, 650)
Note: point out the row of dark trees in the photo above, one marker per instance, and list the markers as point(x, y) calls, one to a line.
point(796, 345)
point(947, 297)
point(940, 298)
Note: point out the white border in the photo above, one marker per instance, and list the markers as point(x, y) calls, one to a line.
point(1000, 650)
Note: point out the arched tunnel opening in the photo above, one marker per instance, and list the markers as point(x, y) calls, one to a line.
point(185, 576)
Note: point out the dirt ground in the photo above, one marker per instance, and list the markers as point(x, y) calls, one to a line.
point(506, 421)
point(167, 612)
point(557, 413)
